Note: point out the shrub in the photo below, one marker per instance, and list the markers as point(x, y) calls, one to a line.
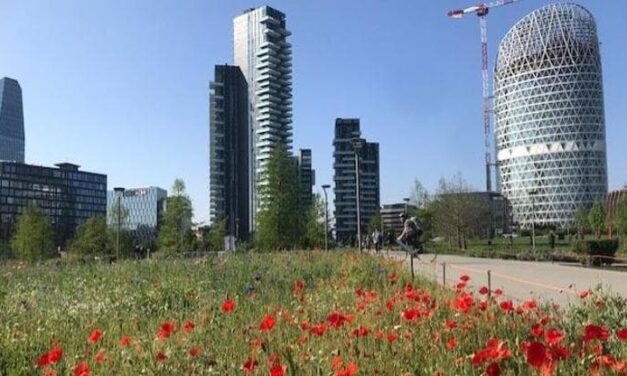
point(606, 248)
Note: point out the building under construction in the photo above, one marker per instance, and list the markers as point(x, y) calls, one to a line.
point(549, 116)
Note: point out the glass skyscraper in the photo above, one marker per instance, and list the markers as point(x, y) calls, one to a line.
point(263, 54)
point(550, 125)
point(143, 206)
point(11, 121)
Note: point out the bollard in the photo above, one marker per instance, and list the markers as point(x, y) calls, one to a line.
point(411, 258)
point(489, 284)
point(444, 273)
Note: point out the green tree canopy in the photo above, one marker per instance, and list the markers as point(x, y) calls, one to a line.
point(91, 238)
point(216, 235)
point(279, 221)
point(314, 225)
point(34, 235)
point(175, 234)
point(620, 219)
point(581, 221)
point(596, 219)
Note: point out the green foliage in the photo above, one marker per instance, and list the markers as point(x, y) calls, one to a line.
point(216, 235)
point(603, 247)
point(596, 219)
point(620, 219)
point(34, 235)
point(581, 221)
point(279, 221)
point(175, 234)
point(91, 238)
point(314, 226)
point(374, 223)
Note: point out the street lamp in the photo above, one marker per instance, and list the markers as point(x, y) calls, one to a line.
point(358, 144)
point(118, 191)
point(533, 194)
point(326, 217)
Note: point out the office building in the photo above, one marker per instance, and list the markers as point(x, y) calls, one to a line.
point(306, 178)
point(66, 195)
point(345, 190)
point(550, 125)
point(263, 54)
point(390, 216)
point(11, 121)
point(229, 133)
point(143, 208)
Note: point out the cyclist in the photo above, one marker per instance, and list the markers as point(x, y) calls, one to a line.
point(410, 235)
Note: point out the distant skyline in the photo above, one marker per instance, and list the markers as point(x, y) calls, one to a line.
point(123, 88)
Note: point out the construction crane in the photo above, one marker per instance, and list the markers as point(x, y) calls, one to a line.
point(481, 11)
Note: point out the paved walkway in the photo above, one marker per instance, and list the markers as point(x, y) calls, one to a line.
point(521, 280)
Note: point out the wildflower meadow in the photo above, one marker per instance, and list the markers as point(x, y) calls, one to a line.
point(308, 313)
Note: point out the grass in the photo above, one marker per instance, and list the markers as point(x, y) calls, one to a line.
point(335, 313)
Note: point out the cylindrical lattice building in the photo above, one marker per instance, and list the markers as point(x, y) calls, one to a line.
point(550, 126)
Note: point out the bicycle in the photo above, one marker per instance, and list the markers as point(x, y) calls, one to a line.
point(416, 250)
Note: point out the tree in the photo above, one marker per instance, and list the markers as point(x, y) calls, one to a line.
point(314, 225)
point(596, 218)
point(455, 210)
point(175, 235)
point(34, 235)
point(419, 196)
point(216, 235)
point(91, 238)
point(279, 221)
point(581, 221)
point(374, 223)
point(620, 219)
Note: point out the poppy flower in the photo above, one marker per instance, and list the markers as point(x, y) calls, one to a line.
point(228, 306)
point(553, 336)
point(189, 326)
point(451, 343)
point(299, 285)
point(318, 330)
point(277, 370)
point(160, 357)
point(622, 334)
point(267, 323)
point(362, 331)
point(194, 351)
point(584, 294)
point(336, 319)
point(410, 314)
point(463, 303)
point(393, 278)
point(592, 332)
point(51, 357)
point(493, 369)
point(536, 354)
point(464, 278)
point(95, 336)
point(166, 329)
point(390, 304)
point(125, 341)
point(392, 337)
point(537, 330)
point(483, 290)
point(100, 357)
point(350, 370)
point(461, 286)
point(498, 292)
point(507, 306)
point(81, 369)
point(250, 365)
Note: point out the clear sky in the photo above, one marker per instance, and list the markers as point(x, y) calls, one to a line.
point(122, 87)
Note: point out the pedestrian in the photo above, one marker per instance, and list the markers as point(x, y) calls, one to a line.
point(377, 238)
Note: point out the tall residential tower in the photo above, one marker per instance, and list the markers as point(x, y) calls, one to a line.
point(11, 121)
point(229, 151)
point(550, 125)
point(263, 54)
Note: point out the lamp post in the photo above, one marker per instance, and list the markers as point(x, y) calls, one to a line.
point(118, 191)
point(326, 217)
point(357, 143)
point(533, 194)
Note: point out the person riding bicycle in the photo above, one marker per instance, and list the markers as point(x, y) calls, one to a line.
point(410, 236)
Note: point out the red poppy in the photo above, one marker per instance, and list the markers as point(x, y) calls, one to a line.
point(498, 292)
point(189, 326)
point(530, 304)
point(362, 331)
point(51, 357)
point(461, 286)
point(536, 354)
point(483, 290)
point(350, 370)
point(595, 332)
point(336, 319)
point(390, 304)
point(267, 323)
point(493, 369)
point(553, 336)
point(81, 369)
point(161, 357)
point(299, 285)
point(507, 306)
point(95, 336)
point(166, 329)
point(100, 357)
point(392, 337)
point(194, 351)
point(622, 334)
point(451, 343)
point(277, 370)
point(450, 324)
point(463, 302)
point(393, 278)
point(464, 278)
point(584, 294)
point(318, 330)
point(228, 306)
point(537, 330)
point(125, 341)
point(250, 365)
point(410, 314)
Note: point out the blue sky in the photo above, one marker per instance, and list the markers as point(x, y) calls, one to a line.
point(121, 87)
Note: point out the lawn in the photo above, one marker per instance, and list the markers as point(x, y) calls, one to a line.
point(337, 313)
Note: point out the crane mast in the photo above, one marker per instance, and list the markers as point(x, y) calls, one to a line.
point(481, 11)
